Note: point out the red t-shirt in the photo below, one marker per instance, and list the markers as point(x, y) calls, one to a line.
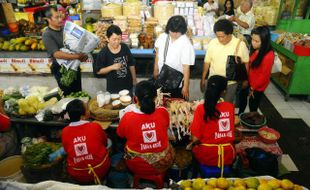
point(259, 77)
point(215, 131)
point(84, 144)
point(145, 132)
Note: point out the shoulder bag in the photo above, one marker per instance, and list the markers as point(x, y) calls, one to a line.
point(168, 78)
point(235, 69)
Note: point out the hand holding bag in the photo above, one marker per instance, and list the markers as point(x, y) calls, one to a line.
point(277, 64)
point(235, 69)
point(168, 78)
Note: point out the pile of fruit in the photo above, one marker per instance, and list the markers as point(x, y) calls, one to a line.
point(22, 44)
point(31, 105)
point(252, 183)
point(28, 28)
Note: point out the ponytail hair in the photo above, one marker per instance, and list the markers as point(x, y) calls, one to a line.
point(216, 86)
point(146, 93)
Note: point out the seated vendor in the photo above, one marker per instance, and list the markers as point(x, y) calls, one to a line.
point(147, 149)
point(85, 144)
point(213, 127)
point(8, 140)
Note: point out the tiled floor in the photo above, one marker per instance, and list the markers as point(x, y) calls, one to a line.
point(293, 108)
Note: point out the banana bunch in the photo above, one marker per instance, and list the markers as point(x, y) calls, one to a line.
point(22, 44)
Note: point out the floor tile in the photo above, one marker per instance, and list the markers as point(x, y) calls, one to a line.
point(288, 113)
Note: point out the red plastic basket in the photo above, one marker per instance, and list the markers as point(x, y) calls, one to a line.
point(269, 130)
point(301, 50)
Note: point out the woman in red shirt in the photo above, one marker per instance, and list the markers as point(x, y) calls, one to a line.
point(85, 144)
point(147, 150)
point(213, 127)
point(261, 62)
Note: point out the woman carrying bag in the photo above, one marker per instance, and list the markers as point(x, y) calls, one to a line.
point(174, 55)
point(261, 62)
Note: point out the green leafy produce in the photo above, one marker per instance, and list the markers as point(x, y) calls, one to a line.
point(78, 94)
point(14, 95)
point(11, 106)
point(36, 155)
point(68, 76)
point(48, 115)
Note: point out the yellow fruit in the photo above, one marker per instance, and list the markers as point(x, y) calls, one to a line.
point(184, 183)
point(212, 182)
point(231, 188)
point(262, 181)
point(279, 188)
point(11, 48)
point(222, 183)
point(274, 183)
point(6, 45)
point(239, 182)
point(287, 184)
point(250, 189)
point(1, 44)
point(28, 42)
point(208, 187)
point(264, 186)
point(34, 46)
point(297, 187)
point(24, 48)
point(17, 47)
point(217, 189)
point(188, 188)
point(31, 110)
point(240, 188)
point(13, 41)
point(252, 182)
point(198, 184)
point(21, 112)
point(21, 40)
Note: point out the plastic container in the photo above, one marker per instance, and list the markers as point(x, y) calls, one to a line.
point(251, 125)
point(213, 171)
point(10, 169)
point(301, 50)
point(177, 174)
point(262, 135)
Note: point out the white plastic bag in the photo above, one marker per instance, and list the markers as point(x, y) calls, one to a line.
point(277, 64)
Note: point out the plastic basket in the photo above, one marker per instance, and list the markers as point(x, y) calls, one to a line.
point(301, 50)
point(244, 123)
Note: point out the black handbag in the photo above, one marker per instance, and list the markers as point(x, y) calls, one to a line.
point(235, 69)
point(168, 78)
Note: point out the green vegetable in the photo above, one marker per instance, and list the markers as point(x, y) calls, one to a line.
point(11, 106)
point(68, 76)
point(36, 155)
point(14, 95)
point(78, 94)
point(48, 115)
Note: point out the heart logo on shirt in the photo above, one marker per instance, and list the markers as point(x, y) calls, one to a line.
point(224, 125)
point(80, 148)
point(149, 135)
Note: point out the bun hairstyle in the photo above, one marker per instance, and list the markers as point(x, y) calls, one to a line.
point(146, 93)
point(75, 110)
point(216, 85)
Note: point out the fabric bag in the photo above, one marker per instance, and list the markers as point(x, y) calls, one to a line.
point(168, 78)
point(277, 64)
point(235, 69)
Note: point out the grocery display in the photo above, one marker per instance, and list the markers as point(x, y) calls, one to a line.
point(44, 111)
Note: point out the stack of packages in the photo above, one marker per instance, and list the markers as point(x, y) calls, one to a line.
point(121, 21)
point(134, 24)
point(101, 32)
point(149, 29)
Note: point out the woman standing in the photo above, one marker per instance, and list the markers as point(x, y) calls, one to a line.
point(145, 128)
point(179, 54)
point(211, 8)
point(261, 62)
point(116, 62)
point(229, 8)
point(213, 127)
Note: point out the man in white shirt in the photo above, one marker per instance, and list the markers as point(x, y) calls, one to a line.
point(218, 51)
point(180, 53)
point(246, 19)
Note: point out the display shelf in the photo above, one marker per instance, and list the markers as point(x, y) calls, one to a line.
point(293, 81)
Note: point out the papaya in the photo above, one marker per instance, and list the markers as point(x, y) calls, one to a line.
point(24, 48)
point(17, 47)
